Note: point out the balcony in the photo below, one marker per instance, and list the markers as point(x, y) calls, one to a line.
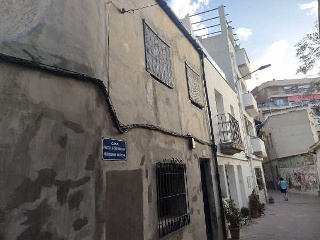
point(258, 147)
point(243, 62)
point(250, 104)
point(230, 137)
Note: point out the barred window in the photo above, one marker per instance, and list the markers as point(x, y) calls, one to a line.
point(173, 212)
point(195, 87)
point(158, 60)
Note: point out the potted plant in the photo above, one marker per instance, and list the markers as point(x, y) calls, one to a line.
point(255, 205)
point(263, 207)
point(245, 212)
point(271, 200)
point(233, 217)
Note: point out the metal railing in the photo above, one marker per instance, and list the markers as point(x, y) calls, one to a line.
point(229, 129)
point(172, 196)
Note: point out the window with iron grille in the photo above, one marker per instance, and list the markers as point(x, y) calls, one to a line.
point(173, 207)
point(195, 87)
point(158, 60)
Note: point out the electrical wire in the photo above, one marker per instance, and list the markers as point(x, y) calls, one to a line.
point(123, 11)
point(98, 83)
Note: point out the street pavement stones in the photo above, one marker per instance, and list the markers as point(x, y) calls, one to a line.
point(299, 218)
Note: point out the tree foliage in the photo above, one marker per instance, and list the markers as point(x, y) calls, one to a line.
point(308, 52)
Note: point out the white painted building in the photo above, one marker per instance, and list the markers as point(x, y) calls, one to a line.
point(240, 151)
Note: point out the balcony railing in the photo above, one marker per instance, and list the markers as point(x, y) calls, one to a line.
point(230, 136)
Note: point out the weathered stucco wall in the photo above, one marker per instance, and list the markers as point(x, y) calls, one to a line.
point(300, 172)
point(65, 33)
point(51, 179)
point(128, 71)
point(53, 182)
point(289, 134)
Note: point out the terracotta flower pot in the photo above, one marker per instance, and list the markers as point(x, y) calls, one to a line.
point(235, 232)
point(255, 213)
point(271, 200)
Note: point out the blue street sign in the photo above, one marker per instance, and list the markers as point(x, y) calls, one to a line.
point(113, 149)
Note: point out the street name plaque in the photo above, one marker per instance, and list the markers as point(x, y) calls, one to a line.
point(113, 150)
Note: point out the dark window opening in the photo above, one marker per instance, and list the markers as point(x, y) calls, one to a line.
point(259, 178)
point(173, 207)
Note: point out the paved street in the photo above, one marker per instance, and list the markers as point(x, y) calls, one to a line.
point(299, 218)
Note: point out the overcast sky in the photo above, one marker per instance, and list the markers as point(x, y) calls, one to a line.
point(268, 30)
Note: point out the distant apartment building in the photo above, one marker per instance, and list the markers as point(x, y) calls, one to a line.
point(281, 95)
point(289, 126)
point(233, 109)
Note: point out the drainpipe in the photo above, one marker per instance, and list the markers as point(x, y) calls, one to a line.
point(214, 149)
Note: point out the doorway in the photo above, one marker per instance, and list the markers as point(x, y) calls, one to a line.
point(207, 190)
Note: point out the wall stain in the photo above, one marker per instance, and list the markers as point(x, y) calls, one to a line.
point(29, 191)
point(149, 194)
point(90, 164)
point(77, 128)
point(21, 151)
point(195, 198)
point(63, 140)
point(79, 223)
point(70, 64)
point(65, 185)
point(29, 54)
point(143, 159)
point(36, 219)
point(75, 199)
point(99, 205)
point(147, 173)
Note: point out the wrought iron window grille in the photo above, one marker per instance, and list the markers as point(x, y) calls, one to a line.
point(157, 54)
point(195, 87)
point(172, 195)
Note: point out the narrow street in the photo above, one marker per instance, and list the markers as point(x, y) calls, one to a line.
point(298, 218)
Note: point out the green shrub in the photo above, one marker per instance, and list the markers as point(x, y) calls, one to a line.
point(232, 213)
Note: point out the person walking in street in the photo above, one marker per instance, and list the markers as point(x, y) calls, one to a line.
point(283, 188)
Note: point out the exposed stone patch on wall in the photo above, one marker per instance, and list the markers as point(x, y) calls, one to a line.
point(296, 161)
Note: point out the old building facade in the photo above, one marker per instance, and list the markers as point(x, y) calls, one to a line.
point(233, 109)
point(104, 124)
point(289, 124)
